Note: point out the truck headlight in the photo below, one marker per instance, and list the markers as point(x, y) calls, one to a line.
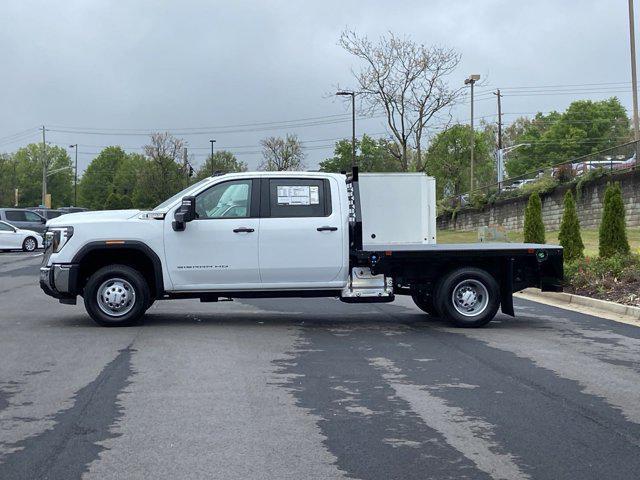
point(57, 237)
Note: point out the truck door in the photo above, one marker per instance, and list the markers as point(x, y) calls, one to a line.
point(219, 249)
point(302, 233)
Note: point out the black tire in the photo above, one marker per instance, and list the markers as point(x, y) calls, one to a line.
point(468, 279)
point(425, 303)
point(116, 274)
point(29, 244)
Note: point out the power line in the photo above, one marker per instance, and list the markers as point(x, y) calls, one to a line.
point(22, 132)
point(143, 130)
point(18, 137)
point(239, 128)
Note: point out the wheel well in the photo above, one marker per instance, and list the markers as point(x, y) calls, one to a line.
point(426, 277)
point(97, 258)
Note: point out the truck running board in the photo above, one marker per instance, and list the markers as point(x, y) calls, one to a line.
point(364, 287)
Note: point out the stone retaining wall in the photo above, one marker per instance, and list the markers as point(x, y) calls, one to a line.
point(510, 212)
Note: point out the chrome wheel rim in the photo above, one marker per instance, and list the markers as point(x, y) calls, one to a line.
point(116, 297)
point(30, 244)
point(470, 298)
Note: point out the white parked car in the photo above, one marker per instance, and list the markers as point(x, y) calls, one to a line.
point(12, 238)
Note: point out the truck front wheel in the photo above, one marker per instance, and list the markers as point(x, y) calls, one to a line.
point(468, 297)
point(116, 295)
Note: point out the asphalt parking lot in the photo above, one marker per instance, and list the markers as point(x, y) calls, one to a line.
point(298, 389)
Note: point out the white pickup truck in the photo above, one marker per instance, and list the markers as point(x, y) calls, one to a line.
point(358, 238)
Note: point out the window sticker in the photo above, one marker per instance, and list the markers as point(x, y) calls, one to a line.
point(297, 195)
point(314, 196)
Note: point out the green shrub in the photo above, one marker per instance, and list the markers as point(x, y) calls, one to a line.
point(592, 273)
point(533, 226)
point(542, 185)
point(613, 228)
point(569, 234)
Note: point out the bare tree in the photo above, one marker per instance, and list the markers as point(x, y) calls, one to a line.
point(282, 154)
point(406, 81)
point(165, 177)
point(164, 146)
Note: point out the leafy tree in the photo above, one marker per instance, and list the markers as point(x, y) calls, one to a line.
point(8, 180)
point(533, 226)
point(371, 156)
point(613, 229)
point(28, 175)
point(281, 154)
point(569, 235)
point(116, 201)
point(449, 160)
point(585, 127)
point(222, 161)
point(97, 181)
point(125, 181)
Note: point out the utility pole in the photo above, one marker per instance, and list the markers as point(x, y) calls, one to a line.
point(499, 95)
point(634, 78)
point(500, 152)
point(212, 142)
point(44, 169)
point(353, 123)
point(471, 81)
point(75, 177)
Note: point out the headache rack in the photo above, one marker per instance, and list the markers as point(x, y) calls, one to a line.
point(355, 211)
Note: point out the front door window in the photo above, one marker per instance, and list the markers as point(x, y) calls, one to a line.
point(226, 200)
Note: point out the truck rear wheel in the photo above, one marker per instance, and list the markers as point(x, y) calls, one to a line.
point(116, 295)
point(468, 297)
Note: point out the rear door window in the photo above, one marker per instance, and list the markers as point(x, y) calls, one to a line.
point(16, 216)
point(293, 197)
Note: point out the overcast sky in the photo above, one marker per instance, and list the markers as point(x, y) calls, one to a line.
point(155, 65)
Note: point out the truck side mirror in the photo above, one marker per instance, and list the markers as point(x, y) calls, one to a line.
point(184, 214)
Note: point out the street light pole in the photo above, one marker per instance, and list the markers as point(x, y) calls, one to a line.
point(353, 123)
point(634, 78)
point(44, 169)
point(471, 81)
point(212, 142)
point(75, 177)
point(502, 153)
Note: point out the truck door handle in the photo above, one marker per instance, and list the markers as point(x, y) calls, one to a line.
point(327, 229)
point(243, 230)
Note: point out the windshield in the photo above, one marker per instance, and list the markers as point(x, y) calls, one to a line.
point(180, 194)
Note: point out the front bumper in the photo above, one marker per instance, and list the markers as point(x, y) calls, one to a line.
point(60, 281)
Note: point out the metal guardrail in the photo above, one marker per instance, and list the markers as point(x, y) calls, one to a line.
point(613, 160)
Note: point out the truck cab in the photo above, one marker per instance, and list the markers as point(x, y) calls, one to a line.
point(276, 234)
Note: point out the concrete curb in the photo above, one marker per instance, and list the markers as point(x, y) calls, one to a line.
point(614, 311)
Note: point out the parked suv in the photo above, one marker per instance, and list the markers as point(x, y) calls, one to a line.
point(48, 213)
point(24, 219)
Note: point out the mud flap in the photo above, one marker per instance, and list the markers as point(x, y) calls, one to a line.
point(506, 290)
